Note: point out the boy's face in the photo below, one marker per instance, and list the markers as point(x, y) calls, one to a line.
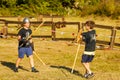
point(27, 25)
point(87, 27)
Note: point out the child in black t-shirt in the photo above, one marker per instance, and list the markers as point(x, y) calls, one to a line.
point(89, 38)
point(25, 45)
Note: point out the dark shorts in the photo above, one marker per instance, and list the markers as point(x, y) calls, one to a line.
point(24, 50)
point(87, 58)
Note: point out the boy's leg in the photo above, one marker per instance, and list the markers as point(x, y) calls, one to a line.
point(30, 55)
point(17, 64)
point(88, 73)
point(31, 61)
point(85, 62)
point(87, 67)
point(20, 57)
point(18, 61)
point(32, 64)
point(86, 59)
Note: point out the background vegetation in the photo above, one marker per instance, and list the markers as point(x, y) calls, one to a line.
point(109, 8)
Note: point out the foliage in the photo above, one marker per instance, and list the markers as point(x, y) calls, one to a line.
point(108, 8)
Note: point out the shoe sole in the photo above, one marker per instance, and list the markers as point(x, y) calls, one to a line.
point(90, 77)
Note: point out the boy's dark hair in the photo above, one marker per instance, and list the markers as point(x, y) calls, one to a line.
point(90, 23)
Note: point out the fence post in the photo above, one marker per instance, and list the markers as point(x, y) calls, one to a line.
point(78, 26)
point(5, 30)
point(40, 18)
point(19, 19)
point(53, 31)
point(82, 26)
point(63, 19)
point(112, 39)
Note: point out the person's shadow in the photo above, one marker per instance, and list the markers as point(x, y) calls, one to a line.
point(75, 72)
point(11, 65)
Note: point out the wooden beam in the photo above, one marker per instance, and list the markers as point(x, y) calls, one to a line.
point(118, 27)
point(101, 26)
point(112, 39)
point(68, 23)
point(32, 22)
point(34, 36)
point(53, 29)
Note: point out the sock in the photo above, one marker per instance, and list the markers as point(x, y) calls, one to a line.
point(33, 68)
point(90, 72)
point(16, 67)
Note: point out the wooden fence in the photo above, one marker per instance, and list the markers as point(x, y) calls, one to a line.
point(53, 29)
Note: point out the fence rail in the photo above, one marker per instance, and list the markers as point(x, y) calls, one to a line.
point(53, 29)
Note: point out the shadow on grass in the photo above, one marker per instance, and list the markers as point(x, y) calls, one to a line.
point(11, 65)
point(75, 72)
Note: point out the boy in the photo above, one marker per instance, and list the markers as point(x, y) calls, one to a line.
point(25, 45)
point(89, 38)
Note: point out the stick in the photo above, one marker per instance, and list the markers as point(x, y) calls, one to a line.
point(75, 58)
point(26, 39)
point(39, 26)
point(77, 38)
point(19, 28)
point(34, 31)
point(39, 59)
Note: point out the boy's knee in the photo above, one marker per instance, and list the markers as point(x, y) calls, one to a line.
point(31, 56)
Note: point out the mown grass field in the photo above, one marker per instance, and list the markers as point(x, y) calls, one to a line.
point(59, 56)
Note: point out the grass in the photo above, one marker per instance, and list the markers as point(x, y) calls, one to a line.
point(59, 57)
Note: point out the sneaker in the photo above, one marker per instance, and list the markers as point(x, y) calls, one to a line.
point(16, 70)
point(88, 75)
point(34, 70)
point(91, 75)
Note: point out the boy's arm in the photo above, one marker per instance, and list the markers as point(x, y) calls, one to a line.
point(79, 36)
point(19, 37)
point(79, 39)
point(32, 46)
point(82, 37)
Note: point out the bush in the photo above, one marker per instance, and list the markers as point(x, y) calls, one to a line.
point(109, 8)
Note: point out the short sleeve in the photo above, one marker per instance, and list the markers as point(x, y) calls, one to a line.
point(20, 32)
point(83, 36)
point(30, 31)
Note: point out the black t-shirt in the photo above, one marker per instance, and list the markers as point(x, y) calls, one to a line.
point(90, 40)
point(24, 33)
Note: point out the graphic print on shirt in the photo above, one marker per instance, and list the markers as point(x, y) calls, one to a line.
point(92, 37)
point(27, 36)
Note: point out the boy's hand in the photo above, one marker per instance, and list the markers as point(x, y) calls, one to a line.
point(79, 39)
point(33, 52)
point(80, 36)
